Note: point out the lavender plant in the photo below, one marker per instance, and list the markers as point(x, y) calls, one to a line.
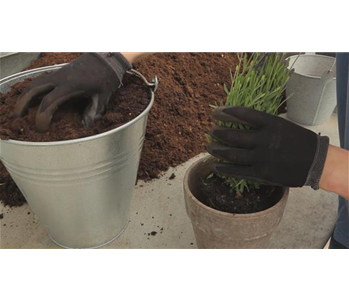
point(258, 82)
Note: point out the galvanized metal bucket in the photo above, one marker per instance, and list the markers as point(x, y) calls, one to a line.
point(312, 89)
point(80, 189)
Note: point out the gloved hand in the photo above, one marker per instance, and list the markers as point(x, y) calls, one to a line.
point(94, 76)
point(274, 152)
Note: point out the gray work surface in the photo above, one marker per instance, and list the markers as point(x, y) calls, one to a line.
point(158, 207)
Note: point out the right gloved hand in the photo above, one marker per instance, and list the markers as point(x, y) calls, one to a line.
point(95, 76)
point(275, 151)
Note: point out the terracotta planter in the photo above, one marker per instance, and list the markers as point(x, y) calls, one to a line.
point(216, 229)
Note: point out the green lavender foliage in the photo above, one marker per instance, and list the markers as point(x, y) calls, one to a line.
point(258, 83)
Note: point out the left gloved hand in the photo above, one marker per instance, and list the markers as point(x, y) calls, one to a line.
point(92, 77)
point(275, 152)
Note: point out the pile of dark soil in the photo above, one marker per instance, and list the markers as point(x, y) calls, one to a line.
point(189, 83)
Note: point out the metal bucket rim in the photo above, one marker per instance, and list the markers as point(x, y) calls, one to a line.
point(73, 141)
point(310, 55)
point(6, 54)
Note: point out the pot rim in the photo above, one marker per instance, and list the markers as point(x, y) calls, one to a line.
point(73, 141)
point(222, 213)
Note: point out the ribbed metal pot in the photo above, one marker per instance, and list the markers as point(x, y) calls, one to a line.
point(80, 189)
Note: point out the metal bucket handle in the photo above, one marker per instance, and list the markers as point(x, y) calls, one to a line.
point(328, 75)
point(153, 85)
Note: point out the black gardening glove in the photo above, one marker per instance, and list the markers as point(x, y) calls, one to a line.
point(274, 152)
point(94, 76)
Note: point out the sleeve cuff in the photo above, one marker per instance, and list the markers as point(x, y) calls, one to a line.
point(317, 167)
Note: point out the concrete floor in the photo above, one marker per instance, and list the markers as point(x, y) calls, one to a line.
point(158, 206)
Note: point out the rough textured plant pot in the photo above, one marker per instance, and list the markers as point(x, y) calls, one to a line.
point(220, 230)
point(81, 190)
point(312, 89)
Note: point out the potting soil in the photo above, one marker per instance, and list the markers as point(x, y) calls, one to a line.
point(179, 119)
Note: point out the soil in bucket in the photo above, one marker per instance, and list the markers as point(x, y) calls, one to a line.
point(128, 102)
point(215, 193)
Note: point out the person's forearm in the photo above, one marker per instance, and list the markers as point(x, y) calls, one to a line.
point(133, 57)
point(335, 177)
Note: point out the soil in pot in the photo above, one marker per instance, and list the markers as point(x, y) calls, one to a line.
point(215, 193)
